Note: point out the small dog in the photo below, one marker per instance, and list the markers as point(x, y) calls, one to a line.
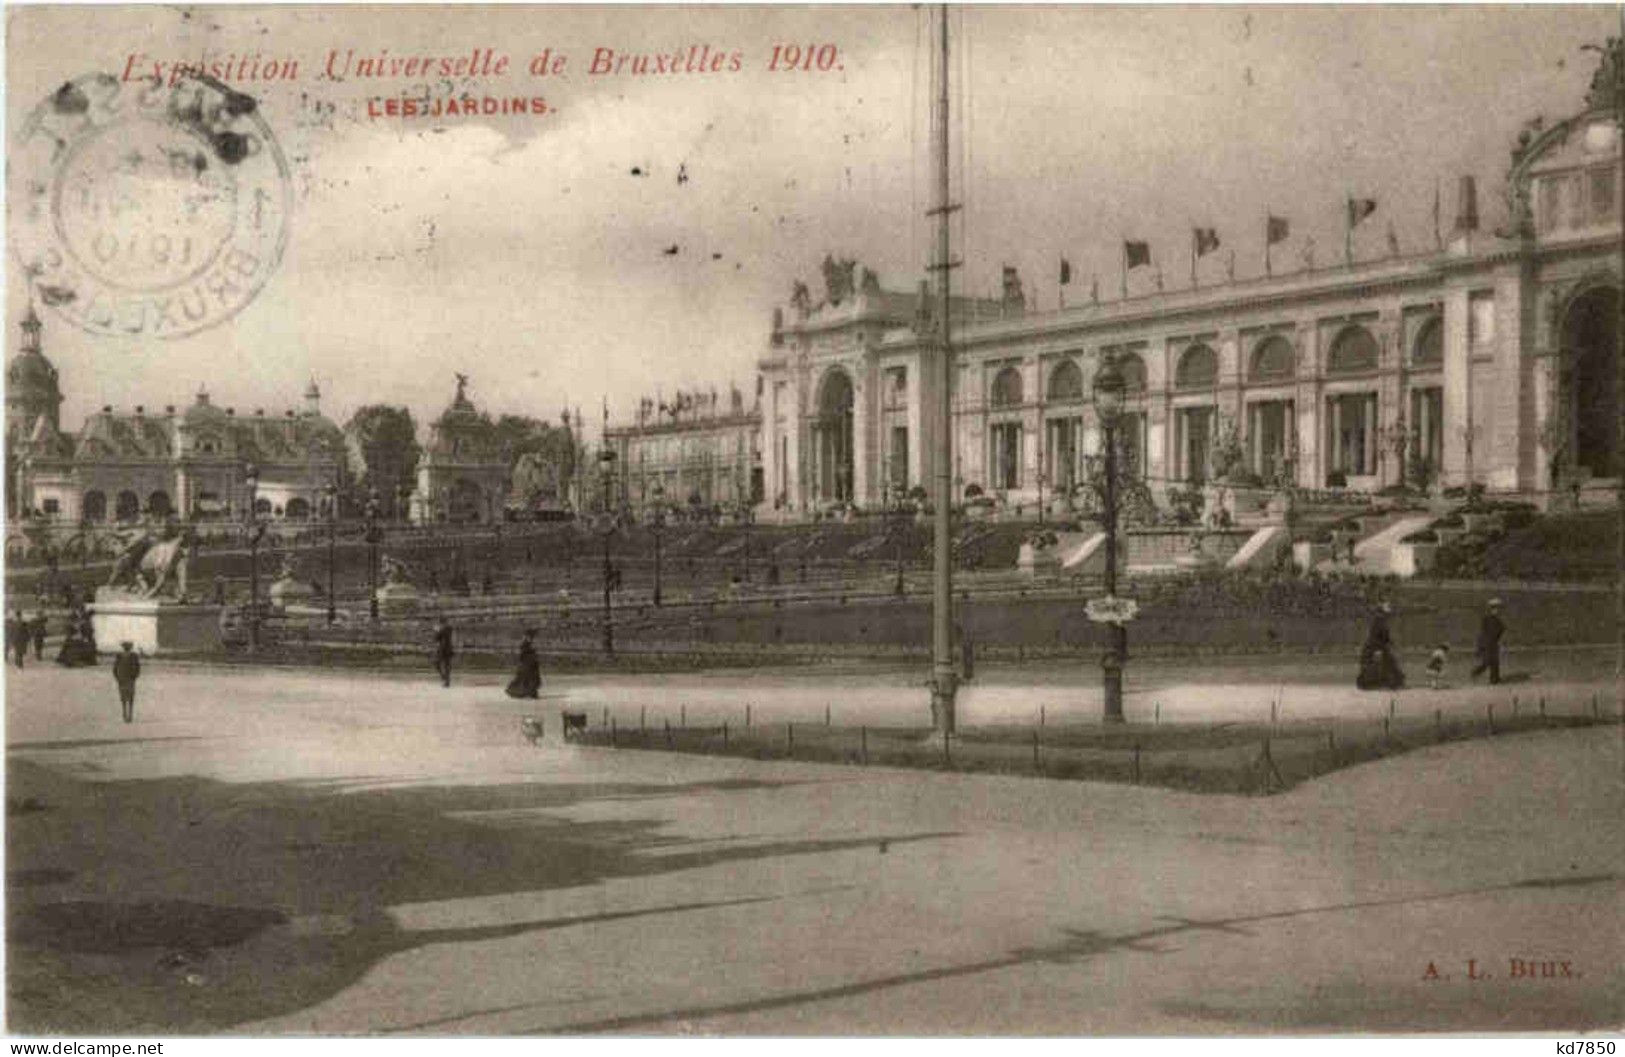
point(531, 728)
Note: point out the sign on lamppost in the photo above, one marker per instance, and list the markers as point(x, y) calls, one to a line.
point(1109, 609)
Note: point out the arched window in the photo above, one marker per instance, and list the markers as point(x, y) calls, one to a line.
point(262, 507)
point(1198, 368)
point(1273, 358)
point(1007, 388)
point(1354, 350)
point(127, 507)
point(158, 504)
point(298, 508)
point(1065, 382)
point(1428, 350)
point(95, 507)
point(1133, 369)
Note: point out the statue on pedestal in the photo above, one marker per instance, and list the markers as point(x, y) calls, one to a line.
point(148, 567)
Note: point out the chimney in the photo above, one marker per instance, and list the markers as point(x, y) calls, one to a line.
point(231, 411)
point(107, 409)
point(1467, 206)
point(259, 412)
point(169, 409)
point(140, 409)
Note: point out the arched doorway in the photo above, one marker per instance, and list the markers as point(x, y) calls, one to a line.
point(1590, 346)
point(128, 506)
point(298, 509)
point(95, 505)
point(832, 439)
point(158, 504)
point(464, 500)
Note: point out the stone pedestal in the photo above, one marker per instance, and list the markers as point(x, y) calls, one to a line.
point(287, 592)
point(397, 598)
point(154, 625)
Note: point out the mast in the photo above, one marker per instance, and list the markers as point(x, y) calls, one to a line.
point(943, 675)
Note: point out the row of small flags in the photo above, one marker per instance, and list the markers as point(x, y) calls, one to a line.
point(1205, 240)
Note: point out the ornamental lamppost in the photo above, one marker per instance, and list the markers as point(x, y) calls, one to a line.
point(747, 517)
point(900, 588)
point(374, 535)
point(332, 493)
point(659, 523)
point(1108, 397)
point(255, 531)
point(606, 469)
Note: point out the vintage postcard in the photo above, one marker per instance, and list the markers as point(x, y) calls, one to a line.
point(814, 520)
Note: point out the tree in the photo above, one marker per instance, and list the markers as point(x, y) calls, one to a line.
point(541, 457)
point(384, 454)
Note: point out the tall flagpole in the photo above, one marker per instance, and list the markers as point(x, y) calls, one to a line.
point(1348, 231)
point(944, 679)
point(1268, 212)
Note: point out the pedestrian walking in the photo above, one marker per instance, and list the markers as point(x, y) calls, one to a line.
point(527, 678)
point(1379, 670)
point(16, 638)
point(126, 670)
point(1490, 630)
point(443, 651)
point(1436, 663)
point(37, 628)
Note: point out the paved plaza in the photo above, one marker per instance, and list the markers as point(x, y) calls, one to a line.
point(289, 851)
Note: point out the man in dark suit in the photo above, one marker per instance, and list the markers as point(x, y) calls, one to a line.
point(443, 652)
point(16, 638)
point(126, 670)
point(1490, 630)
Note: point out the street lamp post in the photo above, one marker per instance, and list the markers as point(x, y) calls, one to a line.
point(901, 514)
point(606, 465)
point(254, 530)
point(659, 522)
point(1108, 397)
point(332, 492)
point(746, 517)
point(373, 536)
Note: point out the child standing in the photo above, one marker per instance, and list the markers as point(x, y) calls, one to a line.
point(1436, 661)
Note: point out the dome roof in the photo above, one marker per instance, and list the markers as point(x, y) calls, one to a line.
point(203, 413)
point(30, 372)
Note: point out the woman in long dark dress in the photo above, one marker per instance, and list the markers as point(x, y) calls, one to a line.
point(527, 678)
point(1379, 670)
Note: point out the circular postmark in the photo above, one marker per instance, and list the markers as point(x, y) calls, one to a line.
point(140, 209)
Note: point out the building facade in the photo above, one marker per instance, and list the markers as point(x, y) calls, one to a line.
point(1488, 360)
point(123, 467)
point(692, 453)
point(463, 473)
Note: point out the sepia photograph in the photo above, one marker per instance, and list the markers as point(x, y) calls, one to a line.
point(814, 521)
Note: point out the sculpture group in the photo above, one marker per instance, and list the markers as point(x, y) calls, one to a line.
point(152, 565)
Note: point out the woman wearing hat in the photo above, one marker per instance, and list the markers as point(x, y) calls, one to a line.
point(1379, 670)
point(1490, 630)
point(527, 679)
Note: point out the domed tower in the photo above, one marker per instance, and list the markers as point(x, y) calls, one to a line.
point(32, 390)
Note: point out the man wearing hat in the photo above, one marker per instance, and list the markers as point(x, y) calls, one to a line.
point(126, 670)
point(1490, 630)
point(443, 651)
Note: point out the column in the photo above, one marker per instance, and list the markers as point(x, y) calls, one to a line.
point(864, 413)
point(1457, 387)
point(1371, 436)
point(1334, 437)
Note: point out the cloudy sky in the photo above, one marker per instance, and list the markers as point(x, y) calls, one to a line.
point(524, 252)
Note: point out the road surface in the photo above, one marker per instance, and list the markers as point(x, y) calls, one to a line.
point(337, 853)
